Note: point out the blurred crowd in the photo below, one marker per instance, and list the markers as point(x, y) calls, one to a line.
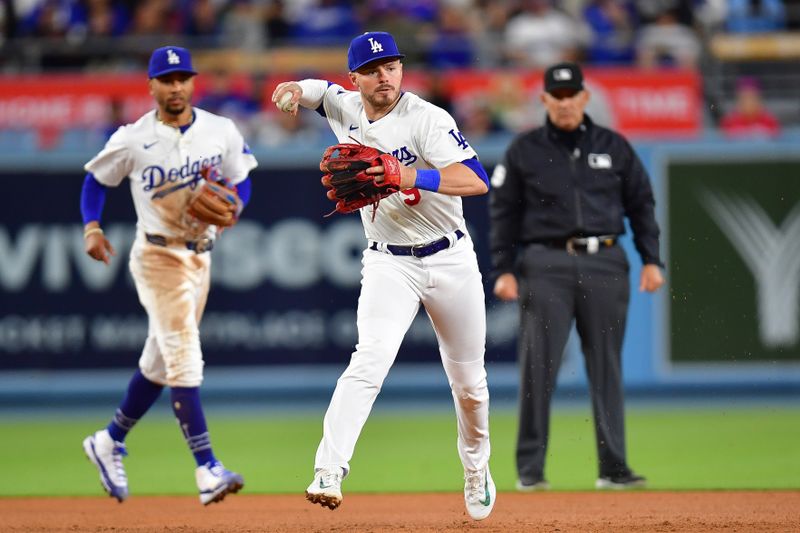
point(442, 34)
point(436, 35)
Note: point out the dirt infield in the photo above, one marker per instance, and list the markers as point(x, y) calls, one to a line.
point(553, 512)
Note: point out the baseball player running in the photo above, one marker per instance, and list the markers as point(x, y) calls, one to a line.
point(418, 251)
point(166, 154)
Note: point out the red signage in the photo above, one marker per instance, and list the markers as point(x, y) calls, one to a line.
point(70, 101)
point(653, 104)
point(637, 103)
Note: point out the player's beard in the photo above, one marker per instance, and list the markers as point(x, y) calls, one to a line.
point(381, 100)
point(174, 104)
point(175, 109)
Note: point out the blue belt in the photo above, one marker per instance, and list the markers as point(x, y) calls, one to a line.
point(198, 246)
point(419, 250)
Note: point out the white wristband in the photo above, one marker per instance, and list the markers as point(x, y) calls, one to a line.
point(92, 231)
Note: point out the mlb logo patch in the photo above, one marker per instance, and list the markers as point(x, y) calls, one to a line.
point(562, 74)
point(599, 161)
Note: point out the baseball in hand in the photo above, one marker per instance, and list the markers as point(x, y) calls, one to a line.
point(285, 102)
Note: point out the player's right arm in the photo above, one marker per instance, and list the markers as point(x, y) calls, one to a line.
point(106, 169)
point(306, 93)
point(324, 97)
point(93, 197)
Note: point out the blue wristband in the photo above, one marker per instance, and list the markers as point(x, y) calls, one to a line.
point(428, 179)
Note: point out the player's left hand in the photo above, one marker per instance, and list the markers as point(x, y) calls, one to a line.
point(97, 246)
point(651, 279)
point(407, 175)
point(358, 175)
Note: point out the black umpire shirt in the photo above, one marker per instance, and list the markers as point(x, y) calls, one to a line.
point(554, 184)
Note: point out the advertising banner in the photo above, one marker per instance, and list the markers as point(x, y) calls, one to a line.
point(637, 103)
point(734, 254)
point(285, 281)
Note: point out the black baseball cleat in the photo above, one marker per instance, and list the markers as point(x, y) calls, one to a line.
point(534, 485)
point(627, 480)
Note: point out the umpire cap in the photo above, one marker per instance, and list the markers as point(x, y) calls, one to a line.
point(563, 76)
point(371, 46)
point(169, 59)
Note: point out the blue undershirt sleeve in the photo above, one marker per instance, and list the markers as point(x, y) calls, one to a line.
point(93, 197)
point(243, 189)
point(477, 168)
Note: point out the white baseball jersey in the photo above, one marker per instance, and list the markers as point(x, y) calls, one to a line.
point(163, 166)
point(419, 134)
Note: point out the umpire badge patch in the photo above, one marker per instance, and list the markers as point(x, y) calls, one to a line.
point(599, 161)
point(562, 74)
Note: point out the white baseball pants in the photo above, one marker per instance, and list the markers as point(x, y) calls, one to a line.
point(173, 285)
point(449, 285)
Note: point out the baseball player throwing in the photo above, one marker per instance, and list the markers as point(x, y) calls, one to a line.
point(168, 154)
point(418, 251)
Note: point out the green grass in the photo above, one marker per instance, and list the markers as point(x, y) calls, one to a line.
point(675, 448)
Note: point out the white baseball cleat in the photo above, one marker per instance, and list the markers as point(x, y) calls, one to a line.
point(326, 489)
point(107, 456)
point(214, 482)
point(480, 493)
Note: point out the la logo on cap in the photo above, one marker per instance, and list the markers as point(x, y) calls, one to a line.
point(562, 74)
point(369, 47)
point(172, 58)
point(376, 46)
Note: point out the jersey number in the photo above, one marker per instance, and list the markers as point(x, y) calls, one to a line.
point(414, 195)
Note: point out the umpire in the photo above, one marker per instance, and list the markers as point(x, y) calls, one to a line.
point(557, 205)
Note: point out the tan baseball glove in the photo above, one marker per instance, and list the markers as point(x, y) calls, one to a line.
point(215, 203)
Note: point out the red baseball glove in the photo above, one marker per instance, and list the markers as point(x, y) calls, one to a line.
point(348, 183)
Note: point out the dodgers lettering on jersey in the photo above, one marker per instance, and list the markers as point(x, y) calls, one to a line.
point(404, 156)
point(418, 134)
point(163, 167)
point(155, 176)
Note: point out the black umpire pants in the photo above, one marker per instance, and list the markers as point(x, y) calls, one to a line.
point(555, 289)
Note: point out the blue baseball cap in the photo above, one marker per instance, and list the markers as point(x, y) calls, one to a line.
point(369, 47)
point(170, 59)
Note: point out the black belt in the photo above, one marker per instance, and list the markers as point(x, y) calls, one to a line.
point(199, 246)
point(420, 250)
point(573, 245)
